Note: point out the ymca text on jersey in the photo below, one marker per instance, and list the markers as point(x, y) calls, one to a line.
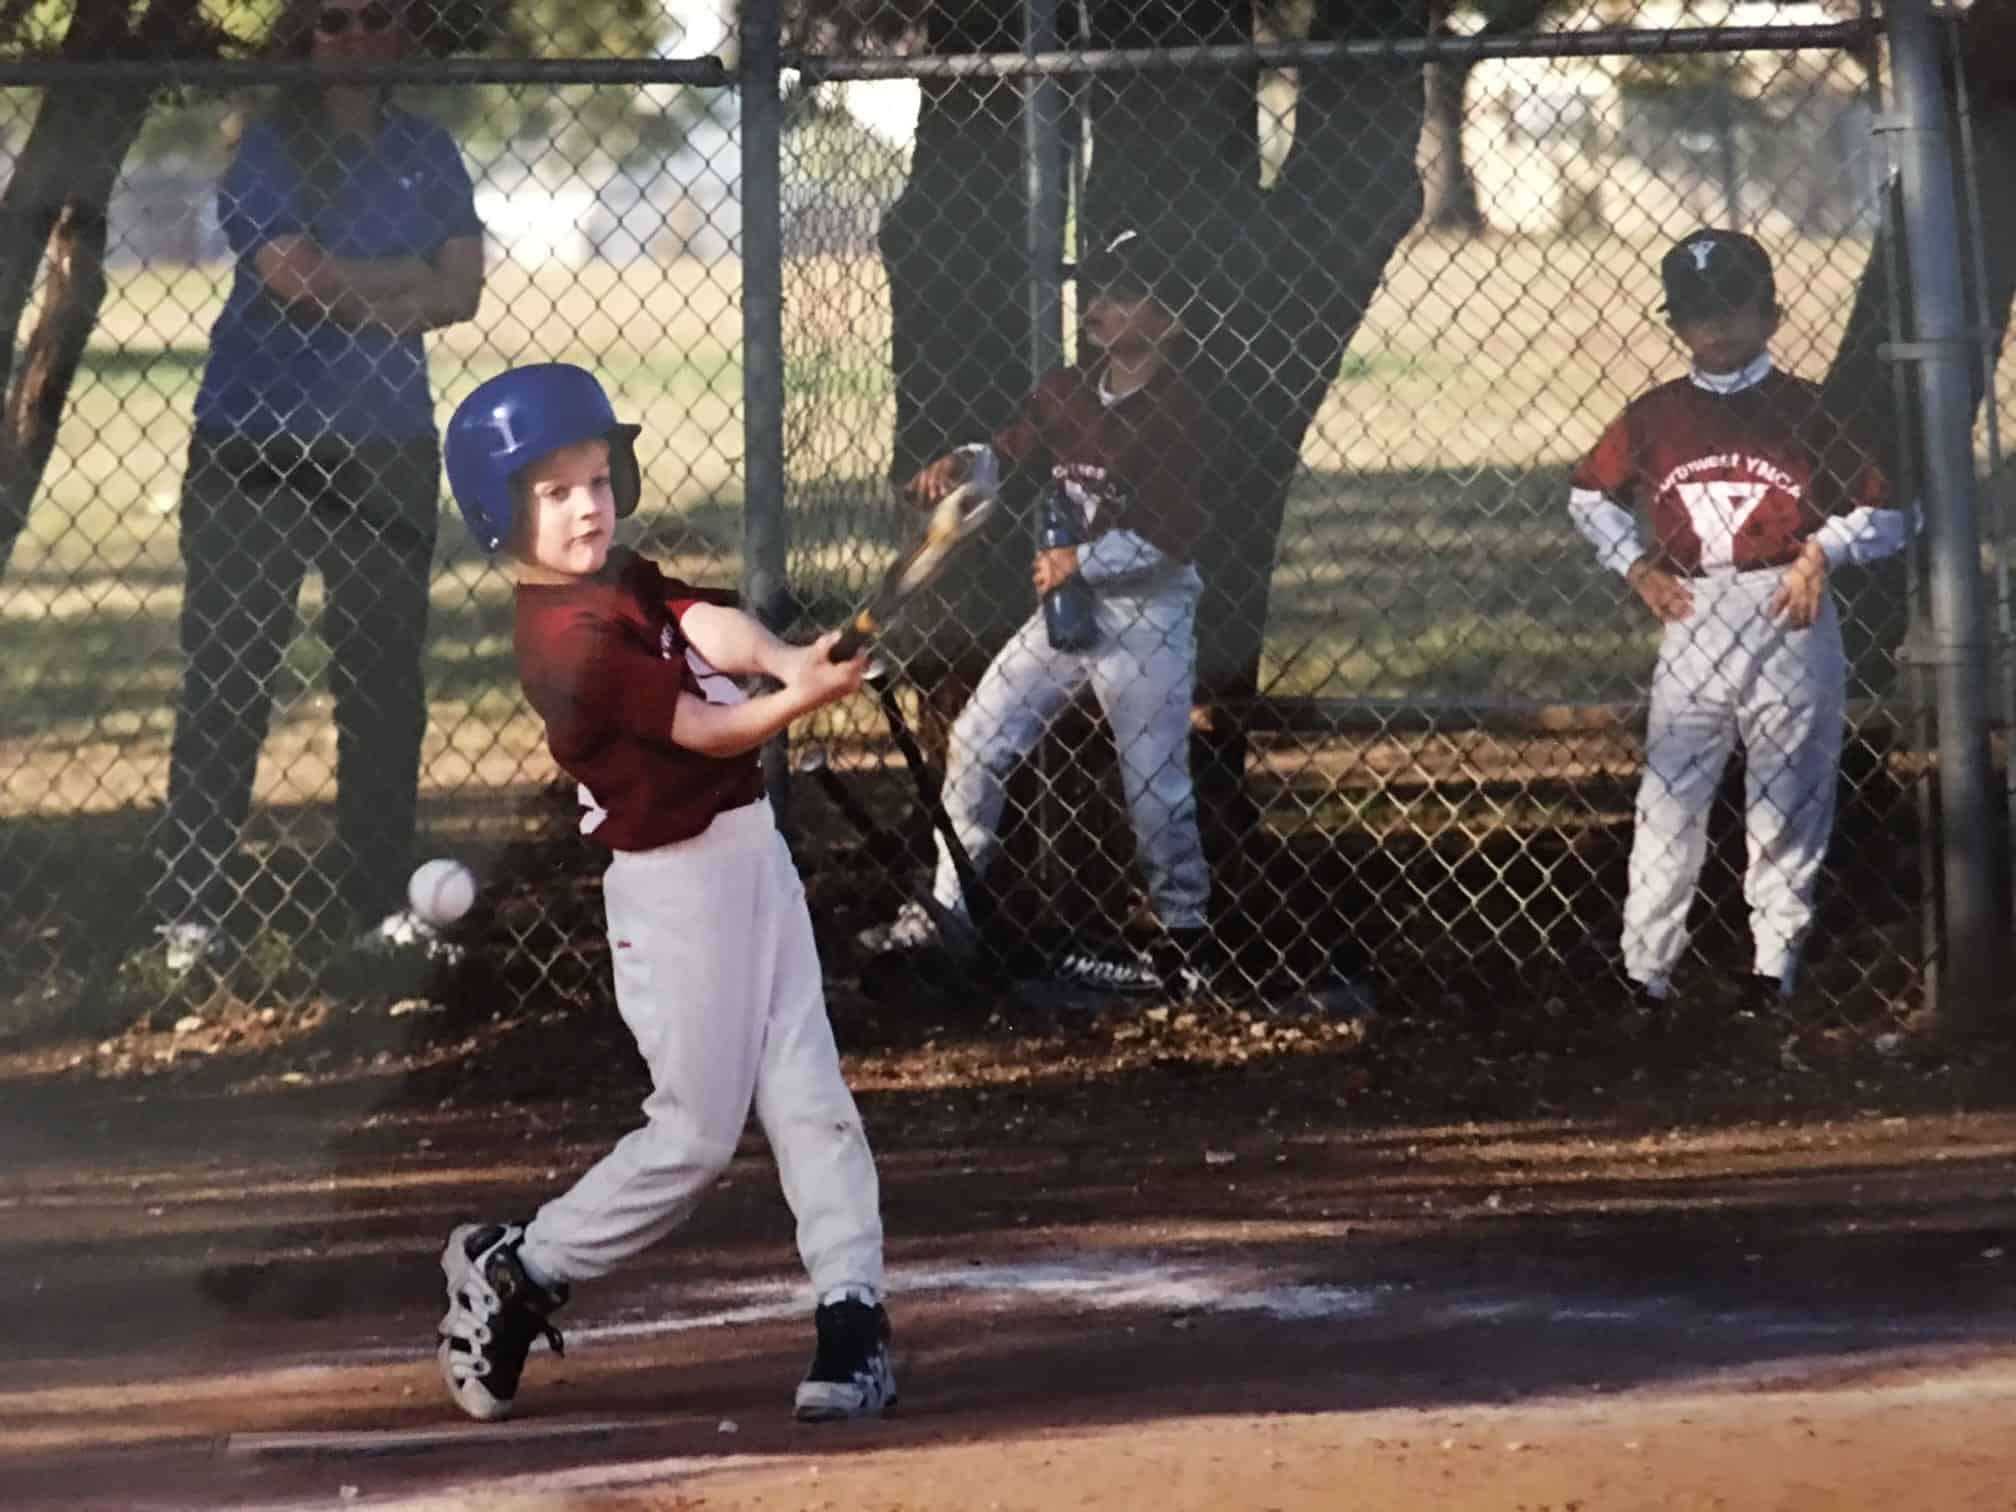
point(1736, 471)
point(603, 662)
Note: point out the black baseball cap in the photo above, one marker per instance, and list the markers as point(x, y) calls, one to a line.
point(1135, 261)
point(1714, 272)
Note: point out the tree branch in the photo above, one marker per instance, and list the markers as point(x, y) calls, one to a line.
point(55, 206)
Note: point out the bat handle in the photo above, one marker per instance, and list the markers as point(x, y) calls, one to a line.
point(852, 639)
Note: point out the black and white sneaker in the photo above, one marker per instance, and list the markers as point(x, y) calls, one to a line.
point(1123, 972)
point(851, 1375)
point(495, 1311)
point(184, 945)
point(922, 924)
point(1190, 962)
point(1182, 963)
point(1649, 996)
point(1765, 995)
point(406, 932)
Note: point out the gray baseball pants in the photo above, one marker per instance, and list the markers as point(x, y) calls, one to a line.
point(1725, 673)
point(1142, 672)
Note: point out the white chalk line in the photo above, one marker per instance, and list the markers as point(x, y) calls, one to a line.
point(1096, 1281)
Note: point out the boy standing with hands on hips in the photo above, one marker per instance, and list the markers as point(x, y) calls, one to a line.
point(715, 971)
point(1127, 444)
point(1755, 494)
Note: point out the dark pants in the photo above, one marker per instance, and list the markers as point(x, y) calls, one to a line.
point(255, 517)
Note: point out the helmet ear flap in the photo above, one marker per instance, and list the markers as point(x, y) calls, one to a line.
point(498, 512)
point(626, 479)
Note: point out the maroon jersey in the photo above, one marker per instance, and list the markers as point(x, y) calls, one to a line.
point(1138, 464)
point(1736, 479)
point(604, 662)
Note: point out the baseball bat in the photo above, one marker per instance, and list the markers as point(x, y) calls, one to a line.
point(882, 678)
point(953, 521)
point(883, 844)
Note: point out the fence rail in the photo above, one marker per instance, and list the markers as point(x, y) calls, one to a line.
point(251, 73)
point(1609, 42)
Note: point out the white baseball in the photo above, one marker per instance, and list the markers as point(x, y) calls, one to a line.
point(441, 891)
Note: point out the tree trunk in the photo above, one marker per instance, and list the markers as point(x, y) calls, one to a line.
point(1450, 192)
point(1290, 271)
point(54, 207)
point(952, 246)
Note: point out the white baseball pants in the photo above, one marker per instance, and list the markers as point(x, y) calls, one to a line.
point(1142, 672)
point(1729, 672)
point(717, 977)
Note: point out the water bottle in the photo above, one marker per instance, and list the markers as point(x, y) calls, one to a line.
point(1068, 609)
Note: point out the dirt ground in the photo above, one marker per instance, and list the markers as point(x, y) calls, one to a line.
point(1861, 1441)
point(1367, 1264)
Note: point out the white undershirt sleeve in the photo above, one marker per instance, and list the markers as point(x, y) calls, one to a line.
point(1866, 535)
point(1608, 527)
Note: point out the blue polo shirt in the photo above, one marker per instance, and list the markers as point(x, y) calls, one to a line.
point(275, 371)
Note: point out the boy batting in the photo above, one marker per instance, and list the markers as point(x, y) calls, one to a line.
point(716, 977)
point(1754, 494)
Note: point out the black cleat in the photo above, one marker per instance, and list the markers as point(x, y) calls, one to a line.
point(851, 1375)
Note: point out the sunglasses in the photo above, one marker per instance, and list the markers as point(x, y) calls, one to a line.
point(375, 17)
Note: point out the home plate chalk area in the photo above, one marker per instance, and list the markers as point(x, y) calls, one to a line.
point(1120, 1296)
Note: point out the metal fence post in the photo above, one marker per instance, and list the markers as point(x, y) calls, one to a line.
point(1043, 247)
point(1944, 348)
point(1990, 355)
point(765, 539)
point(1043, 176)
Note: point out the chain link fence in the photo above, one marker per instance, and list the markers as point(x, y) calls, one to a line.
point(1420, 294)
point(221, 593)
point(1419, 256)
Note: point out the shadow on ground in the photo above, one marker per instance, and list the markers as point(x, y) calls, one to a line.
point(1087, 1240)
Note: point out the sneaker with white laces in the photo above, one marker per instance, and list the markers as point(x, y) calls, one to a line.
point(495, 1311)
point(922, 924)
point(406, 930)
point(1121, 971)
point(851, 1374)
point(183, 945)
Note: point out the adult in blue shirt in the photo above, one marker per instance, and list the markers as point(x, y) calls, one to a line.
point(355, 231)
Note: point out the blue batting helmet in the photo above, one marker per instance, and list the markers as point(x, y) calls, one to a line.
point(515, 419)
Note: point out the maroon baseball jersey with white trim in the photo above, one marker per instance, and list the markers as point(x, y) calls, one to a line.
point(603, 662)
point(1140, 463)
point(1732, 480)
